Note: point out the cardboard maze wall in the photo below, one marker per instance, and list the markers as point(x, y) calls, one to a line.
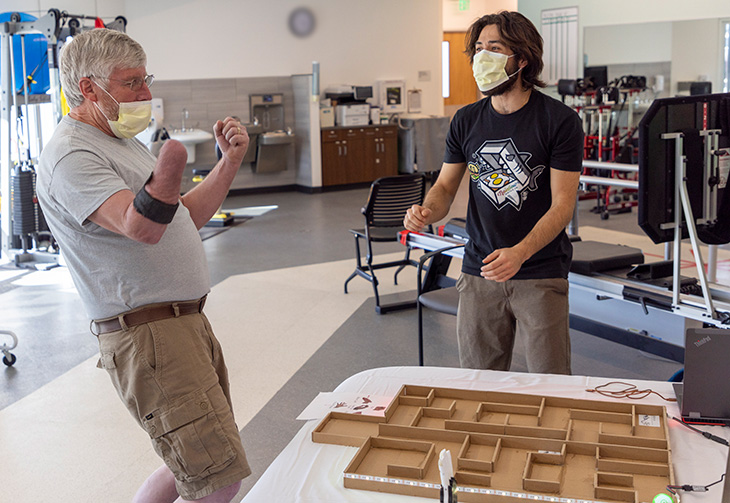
point(506, 445)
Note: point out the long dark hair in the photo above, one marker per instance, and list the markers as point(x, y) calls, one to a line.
point(521, 37)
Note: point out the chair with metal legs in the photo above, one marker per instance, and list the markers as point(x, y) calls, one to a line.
point(436, 290)
point(389, 199)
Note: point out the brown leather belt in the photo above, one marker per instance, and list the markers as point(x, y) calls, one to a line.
point(150, 314)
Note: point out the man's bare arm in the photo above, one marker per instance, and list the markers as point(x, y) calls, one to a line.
point(204, 200)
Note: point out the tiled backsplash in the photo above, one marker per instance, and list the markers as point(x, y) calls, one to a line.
point(208, 100)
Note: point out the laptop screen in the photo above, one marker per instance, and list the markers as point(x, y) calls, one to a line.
point(706, 393)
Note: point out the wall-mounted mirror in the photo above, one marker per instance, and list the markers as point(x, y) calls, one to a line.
point(670, 55)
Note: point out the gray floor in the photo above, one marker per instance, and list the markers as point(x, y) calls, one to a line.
point(299, 232)
point(304, 229)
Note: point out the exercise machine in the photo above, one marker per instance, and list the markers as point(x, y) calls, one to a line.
point(29, 80)
point(27, 88)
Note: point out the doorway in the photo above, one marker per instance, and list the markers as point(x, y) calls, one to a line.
point(463, 89)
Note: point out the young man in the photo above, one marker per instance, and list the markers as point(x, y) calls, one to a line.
point(523, 151)
point(133, 249)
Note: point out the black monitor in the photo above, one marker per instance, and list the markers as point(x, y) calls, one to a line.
point(697, 88)
point(657, 160)
point(598, 76)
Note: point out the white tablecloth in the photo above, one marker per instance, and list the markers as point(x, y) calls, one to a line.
point(306, 472)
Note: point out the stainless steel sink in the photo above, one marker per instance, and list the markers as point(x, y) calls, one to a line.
point(273, 151)
point(276, 138)
point(253, 129)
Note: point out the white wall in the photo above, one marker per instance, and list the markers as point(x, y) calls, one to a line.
point(628, 43)
point(460, 20)
point(356, 41)
point(696, 52)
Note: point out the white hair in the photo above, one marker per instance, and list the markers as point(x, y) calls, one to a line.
point(96, 53)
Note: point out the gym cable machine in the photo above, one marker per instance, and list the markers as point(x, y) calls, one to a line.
point(24, 236)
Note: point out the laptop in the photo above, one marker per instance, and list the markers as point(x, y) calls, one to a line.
point(704, 395)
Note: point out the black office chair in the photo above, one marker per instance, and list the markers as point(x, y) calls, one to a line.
point(436, 290)
point(389, 199)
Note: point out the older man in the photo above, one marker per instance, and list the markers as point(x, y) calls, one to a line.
point(132, 246)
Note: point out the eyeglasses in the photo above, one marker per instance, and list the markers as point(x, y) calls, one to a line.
point(134, 84)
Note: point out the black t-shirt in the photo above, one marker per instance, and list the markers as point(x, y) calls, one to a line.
point(509, 159)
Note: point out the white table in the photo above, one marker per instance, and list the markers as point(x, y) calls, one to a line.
point(306, 472)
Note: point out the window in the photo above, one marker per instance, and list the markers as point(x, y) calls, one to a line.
point(445, 73)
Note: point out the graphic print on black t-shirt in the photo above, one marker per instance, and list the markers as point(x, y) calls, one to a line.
point(502, 174)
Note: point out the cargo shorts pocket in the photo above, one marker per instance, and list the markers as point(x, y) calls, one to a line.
point(189, 437)
point(106, 361)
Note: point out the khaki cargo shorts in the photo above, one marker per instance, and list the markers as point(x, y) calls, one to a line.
point(171, 376)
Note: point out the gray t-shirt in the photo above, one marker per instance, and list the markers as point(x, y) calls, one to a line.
point(79, 169)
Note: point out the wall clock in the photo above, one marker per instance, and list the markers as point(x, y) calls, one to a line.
point(301, 21)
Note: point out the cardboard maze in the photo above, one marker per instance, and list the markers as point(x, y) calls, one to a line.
point(508, 446)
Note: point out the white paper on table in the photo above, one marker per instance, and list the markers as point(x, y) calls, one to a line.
point(351, 403)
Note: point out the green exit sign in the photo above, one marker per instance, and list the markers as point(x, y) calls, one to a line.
point(463, 4)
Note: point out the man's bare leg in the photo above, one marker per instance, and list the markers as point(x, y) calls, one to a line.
point(224, 495)
point(158, 488)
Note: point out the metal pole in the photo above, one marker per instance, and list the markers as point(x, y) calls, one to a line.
point(689, 220)
point(14, 94)
point(5, 89)
point(614, 182)
point(599, 155)
point(712, 263)
point(55, 79)
point(678, 175)
point(26, 119)
point(614, 166)
point(38, 131)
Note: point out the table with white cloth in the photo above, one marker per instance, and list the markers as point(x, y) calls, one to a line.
point(308, 472)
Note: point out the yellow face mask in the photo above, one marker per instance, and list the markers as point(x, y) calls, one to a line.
point(489, 69)
point(133, 117)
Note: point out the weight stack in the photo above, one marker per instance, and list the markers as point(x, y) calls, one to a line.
point(23, 200)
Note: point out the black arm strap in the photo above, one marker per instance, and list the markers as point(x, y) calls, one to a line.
point(154, 209)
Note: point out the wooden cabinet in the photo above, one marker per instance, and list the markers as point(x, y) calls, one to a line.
point(358, 154)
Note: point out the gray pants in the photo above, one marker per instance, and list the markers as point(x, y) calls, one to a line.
point(492, 314)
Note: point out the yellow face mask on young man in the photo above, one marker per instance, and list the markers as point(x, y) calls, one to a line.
point(489, 69)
